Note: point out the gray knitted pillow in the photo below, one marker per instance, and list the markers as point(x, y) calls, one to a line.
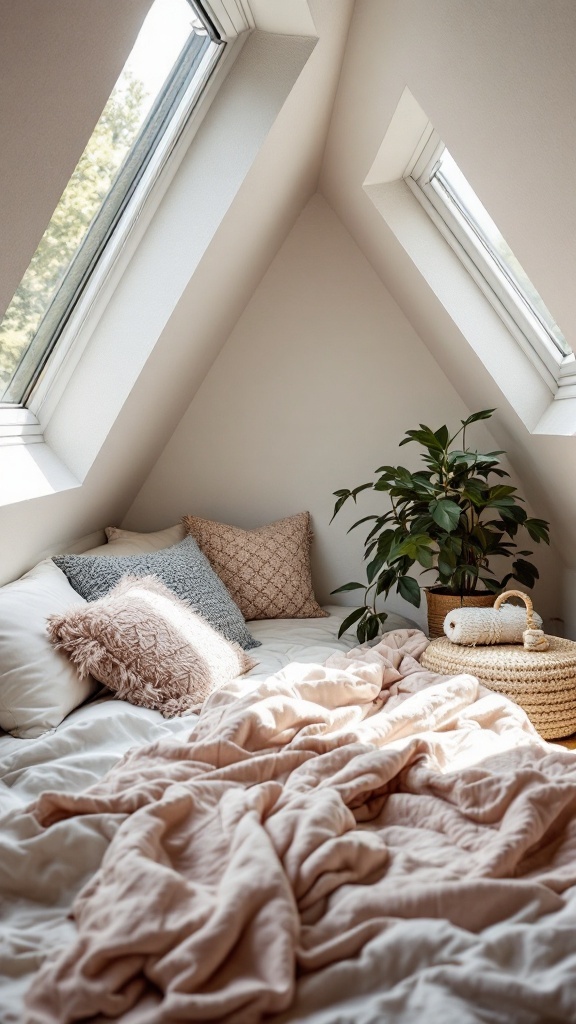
point(182, 568)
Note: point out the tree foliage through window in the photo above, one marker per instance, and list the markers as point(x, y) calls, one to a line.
point(90, 182)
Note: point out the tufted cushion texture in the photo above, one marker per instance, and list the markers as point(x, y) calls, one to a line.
point(148, 646)
point(182, 568)
point(267, 570)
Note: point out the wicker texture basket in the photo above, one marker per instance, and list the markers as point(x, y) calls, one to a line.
point(440, 604)
point(542, 682)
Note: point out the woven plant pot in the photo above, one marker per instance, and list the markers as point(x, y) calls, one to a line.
point(440, 604)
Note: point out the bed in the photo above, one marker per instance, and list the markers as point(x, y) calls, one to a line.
point(39, 876)
point(339, 836)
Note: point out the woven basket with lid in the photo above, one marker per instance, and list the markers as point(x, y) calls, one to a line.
point(542, 682)
point(440, 604)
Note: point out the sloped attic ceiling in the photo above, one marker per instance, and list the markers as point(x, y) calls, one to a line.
point(498, 82)
point(58, 63)
point(279, 151)
point(474, 93)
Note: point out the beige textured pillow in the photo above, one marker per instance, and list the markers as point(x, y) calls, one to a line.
point(267, 570)
point(128, 542)
point(148, 646)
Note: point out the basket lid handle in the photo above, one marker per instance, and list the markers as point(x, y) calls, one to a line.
point(527, 601)
point(534, 639)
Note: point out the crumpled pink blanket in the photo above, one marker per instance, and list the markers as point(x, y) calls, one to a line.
point(299, 822)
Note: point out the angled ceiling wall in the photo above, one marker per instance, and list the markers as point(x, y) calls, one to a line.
point(498, 82)
point(285, 87)
point(321, 374)
point(58, 64)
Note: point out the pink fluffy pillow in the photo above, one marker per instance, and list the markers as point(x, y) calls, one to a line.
point(148, 646)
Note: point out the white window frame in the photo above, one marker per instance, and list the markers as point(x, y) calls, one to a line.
point(25, 423)
point(558, 370)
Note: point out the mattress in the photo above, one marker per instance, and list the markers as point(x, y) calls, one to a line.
point(40, 873)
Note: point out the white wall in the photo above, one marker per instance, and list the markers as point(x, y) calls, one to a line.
point(317, 383)
point(282, 113)
point(498, 81)
point(302, 400)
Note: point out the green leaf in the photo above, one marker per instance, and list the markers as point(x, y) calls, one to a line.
point(350, 620)
point(445, 569)
point(442, 436)
point(385, 581)
point(492, 585)
point(404, 477)
point(373, 567)
point(525, 572)
point(362, 487)
point(385, 541)
point(408, 589)
point(359, 522)
point(502, 491)
point(372, 627)
point(380, 523)
point(445, 513)
point(426, 437)
point(475, 492)
point(425, 556)
point(508, 511)
point(338, 505)
point(538, 530)
point(348, 586)
point(484, 414)
point(453, 543)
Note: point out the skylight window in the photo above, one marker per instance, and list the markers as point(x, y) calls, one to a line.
point(169, 63)
point(440, 185)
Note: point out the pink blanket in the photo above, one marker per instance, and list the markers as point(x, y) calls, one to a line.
point(338, 809)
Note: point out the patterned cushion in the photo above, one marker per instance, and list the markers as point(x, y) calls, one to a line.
point(184, 570)
point(267, 570)
point(148, 646)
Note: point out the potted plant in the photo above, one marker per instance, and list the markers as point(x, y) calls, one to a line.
point(449, 519)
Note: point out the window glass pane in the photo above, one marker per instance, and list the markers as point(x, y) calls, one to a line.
point(166, 30)
point(450, 177)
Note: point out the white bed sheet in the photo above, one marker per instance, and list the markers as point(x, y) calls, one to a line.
point(40, 873)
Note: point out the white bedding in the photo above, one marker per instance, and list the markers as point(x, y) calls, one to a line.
point(448, 955)
point(40, 873)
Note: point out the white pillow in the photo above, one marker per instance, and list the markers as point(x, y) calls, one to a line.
point(38, 685)
point(127, 542)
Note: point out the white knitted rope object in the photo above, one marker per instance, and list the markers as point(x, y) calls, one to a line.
point(534, 639)
point(485, 626)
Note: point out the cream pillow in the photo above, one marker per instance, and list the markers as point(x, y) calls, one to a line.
point(267, 570)
point(148, 646)
point(38, 685)
point(127, 542)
